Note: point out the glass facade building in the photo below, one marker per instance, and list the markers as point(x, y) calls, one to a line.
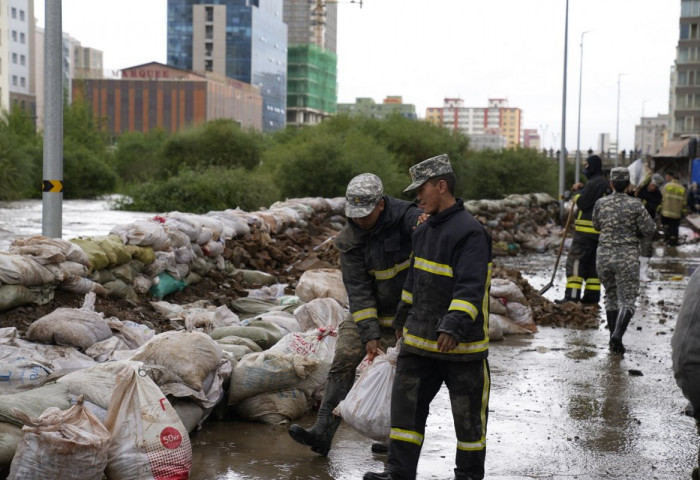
point(255, 46)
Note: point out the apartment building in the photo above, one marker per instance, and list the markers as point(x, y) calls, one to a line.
point(685, 77)
point(368, 108)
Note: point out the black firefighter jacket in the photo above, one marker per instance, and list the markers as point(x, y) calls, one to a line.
point(596, 187)
point(374, 265)
point(447, 287)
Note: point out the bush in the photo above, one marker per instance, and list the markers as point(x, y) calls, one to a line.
point(215, 188)
point(85, 174)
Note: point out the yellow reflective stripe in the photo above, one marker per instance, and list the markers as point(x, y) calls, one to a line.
point(586, 229)
point(431, 345)
point(406, 436)
point(407, 297)
point(386, 321)
point(433, 267)
point(593, 288)
point(464, 306)
point(360, 315)
point(592, 281)
point(574, 282)
point(485, 301)
point(472, 446)
point(390, 273)
point(581, 221)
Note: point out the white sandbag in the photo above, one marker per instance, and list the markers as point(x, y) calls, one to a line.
point(367, 406)
point(268, 371)
point(76, 327)
point(82, 285)
point(263, 333)
point(104, 351)
point(172, 222)
point(143, 233)
point(43, 254)
point(495, 330)
point(190, 413)
point(320, 312)
point(224, 317)
point(184, 357)
point(65, 270)
point(9, 439)
point(234, 340)
point(131, 333)
point(508, 290)
point(71, 251)
point(212, 248)
point(284, 320)
point(274, 408)
point(256, 277)
point(96, 383)
point(322, 283)
point(506, 325)
point(142, 284)
point(65, 358)
point(521, 314)
point(269, 293)
point(69, 444)
point(497, 305)
point(148, 439)
point(21, 270)
point(23, 369)
point(208, 396)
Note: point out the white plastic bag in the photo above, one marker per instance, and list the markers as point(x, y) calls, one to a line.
point(149, 442)
point(367, 406)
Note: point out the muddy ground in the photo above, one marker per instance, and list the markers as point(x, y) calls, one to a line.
point(561, 406)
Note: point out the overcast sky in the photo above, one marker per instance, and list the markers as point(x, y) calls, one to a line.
point(428, 50)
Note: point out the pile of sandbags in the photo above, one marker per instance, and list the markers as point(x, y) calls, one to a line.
point(509, 310)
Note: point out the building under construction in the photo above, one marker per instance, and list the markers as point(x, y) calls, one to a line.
point(312, 62)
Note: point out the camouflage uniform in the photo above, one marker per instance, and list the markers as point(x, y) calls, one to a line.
point(621, 220)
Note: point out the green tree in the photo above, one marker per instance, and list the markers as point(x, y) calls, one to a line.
point(85, 173)
point(138, 157)
point(20, 156)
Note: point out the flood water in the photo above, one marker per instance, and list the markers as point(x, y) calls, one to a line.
point(561, 406)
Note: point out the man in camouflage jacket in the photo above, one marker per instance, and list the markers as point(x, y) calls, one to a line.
point(375, 249)
point(622, 220)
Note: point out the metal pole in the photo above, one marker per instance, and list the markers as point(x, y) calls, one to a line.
point(617, 131)
point(52, 185)
point(578, 135)
point(562, 153)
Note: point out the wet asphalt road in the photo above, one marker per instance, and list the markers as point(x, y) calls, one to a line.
point(562, 407)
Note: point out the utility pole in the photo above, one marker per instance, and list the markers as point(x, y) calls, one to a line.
point(578, 135)
point(52, 184)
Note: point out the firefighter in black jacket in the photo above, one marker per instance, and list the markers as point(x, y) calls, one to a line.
point(581, 261)
point(375, 249)
point(443, 316)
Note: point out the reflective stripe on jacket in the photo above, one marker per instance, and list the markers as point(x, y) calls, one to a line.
point(447, 288)
point(375, 263)
point(673, 199)
point(596, 187)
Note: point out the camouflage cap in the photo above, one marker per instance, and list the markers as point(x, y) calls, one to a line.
point(362, 195)
point(427, 169)
point(657, 179)
point(619, 174)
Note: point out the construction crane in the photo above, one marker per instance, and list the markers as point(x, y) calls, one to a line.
point(318, 17)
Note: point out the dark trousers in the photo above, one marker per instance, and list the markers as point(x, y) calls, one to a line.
point(416, 383)
point(581, 274)
point(671, 229)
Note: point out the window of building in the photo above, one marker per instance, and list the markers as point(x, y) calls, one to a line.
point(209, 65)
point(23, 82)
point(13, 12)
point(22, 60)
point(14, 80)
point(209, 32)
point(14, 58)
point(21, 37)
point(14, 35)
point(690, 8)
point(209, 14)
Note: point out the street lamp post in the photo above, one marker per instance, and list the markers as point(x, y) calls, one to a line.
point(617, 131)
point(562, 152)
point(578, 135)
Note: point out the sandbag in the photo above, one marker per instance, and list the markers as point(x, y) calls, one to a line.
point(263, 333)
point(21, 270)
point(33, 402)
point(69, 444)
point(149, 441)
point(65, 270)
point(71, 251)
point(97, 257)
point(322, 283)
point(104, 351)
point(12, 296)
point(521, 315)
point(23, 369)
point(96, 383)
point(274, 408)
point(77, 327)
point(166, 285)
point(320, 312)
point(267, 371)
point(506, 325)
point(185, 357)
point(82, 285)
point(144, 233)
point(9, 439)
point(284, 320)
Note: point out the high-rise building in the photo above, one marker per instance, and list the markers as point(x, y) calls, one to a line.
point(531, 138)
point(16, 65)
point(312, 60)
point(651, 134)
point(241, 39)
point(368, 108)
point(496, 119)
point(685, 78)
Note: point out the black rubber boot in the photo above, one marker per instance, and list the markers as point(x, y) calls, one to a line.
point(320, 436)
point(623, 320)
point(591, 297)
point(377, 476)
point(379, 447)
point(570, 295)
point(611, 315)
